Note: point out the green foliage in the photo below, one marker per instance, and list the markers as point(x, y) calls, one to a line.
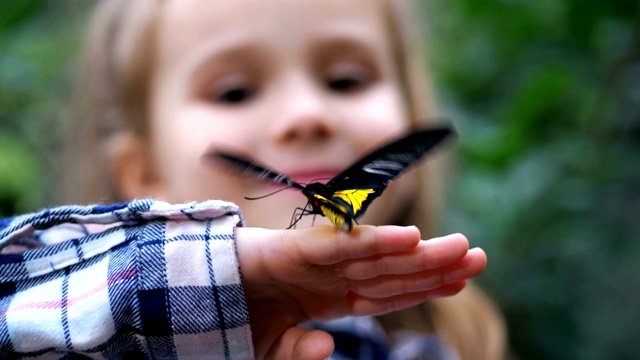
point(15, 13)
point(18, 167)
point(546, 97)
point(35, 74)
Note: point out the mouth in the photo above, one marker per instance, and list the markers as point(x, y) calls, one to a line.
point(308, 177)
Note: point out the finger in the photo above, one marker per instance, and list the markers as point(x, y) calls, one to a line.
point(298, 343)
point(361, 306)
point(385, 286)
point(334, 245)
point(326, 245)
point(429, 254)
point(468, 267)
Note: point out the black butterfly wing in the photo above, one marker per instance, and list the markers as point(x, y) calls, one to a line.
point(348, 195)
point(248, 168)
point(365, 180)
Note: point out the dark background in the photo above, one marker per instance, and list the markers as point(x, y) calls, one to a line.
point(546, 97)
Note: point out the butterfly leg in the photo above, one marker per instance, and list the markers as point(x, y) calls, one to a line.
point(298, 213)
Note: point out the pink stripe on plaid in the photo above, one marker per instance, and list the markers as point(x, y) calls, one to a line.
point(59, 304)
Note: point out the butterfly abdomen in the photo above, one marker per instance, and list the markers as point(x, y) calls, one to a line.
point(339, 219)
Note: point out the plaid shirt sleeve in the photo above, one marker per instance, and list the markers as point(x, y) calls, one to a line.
point(143, 279)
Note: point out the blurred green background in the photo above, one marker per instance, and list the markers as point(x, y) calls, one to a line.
point(546, 97)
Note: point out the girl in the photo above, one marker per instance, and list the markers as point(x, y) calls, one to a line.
point(305, 88)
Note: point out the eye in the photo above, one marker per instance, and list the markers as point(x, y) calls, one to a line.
point(348, 78)
point(232, 90)
point(344, 84)
point(234, 95)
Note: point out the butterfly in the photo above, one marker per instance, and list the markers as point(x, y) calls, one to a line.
point(347, 196)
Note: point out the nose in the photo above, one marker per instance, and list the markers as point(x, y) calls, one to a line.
point(304, 113)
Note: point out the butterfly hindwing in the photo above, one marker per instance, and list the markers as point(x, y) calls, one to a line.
point(357, 199)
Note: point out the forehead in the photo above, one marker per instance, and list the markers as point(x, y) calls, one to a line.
point(188, 25)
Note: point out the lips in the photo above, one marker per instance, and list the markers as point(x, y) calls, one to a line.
point(307, 177)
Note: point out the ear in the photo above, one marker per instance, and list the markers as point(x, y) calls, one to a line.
point(132, 168)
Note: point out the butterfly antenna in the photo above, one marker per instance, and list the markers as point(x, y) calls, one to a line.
point(319, 179)
point(273, 193)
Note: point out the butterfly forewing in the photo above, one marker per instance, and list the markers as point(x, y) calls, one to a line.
point(366, 179)
point(248, 168)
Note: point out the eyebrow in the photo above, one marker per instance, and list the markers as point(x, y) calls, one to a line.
point(232, 52)
point(234, 42)
point(356, 42)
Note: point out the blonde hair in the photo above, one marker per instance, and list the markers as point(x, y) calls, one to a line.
point(468, 321)
point(111, 103)
point(110, 100)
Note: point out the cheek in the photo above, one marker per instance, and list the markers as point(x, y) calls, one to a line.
point(180, 140)
point(376, 119)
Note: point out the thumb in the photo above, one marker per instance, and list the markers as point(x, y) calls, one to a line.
point(298, 343)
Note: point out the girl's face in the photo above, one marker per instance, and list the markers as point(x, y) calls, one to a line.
point(302, 87)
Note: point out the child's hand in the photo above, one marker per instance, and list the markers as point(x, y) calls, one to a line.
point(292, 276)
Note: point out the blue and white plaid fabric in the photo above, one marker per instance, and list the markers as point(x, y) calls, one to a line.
point(143, 279)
